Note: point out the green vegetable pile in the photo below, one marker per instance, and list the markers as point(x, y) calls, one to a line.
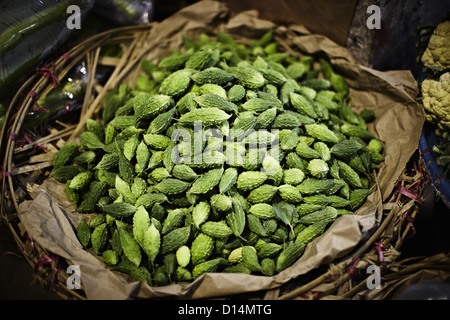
point(278, 157)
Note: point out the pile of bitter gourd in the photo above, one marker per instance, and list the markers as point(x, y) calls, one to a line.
point(223, 157)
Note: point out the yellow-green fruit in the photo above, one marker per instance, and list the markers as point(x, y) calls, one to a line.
point(183, 255)
point(263, 193)
point(175, 239)
point(201, 248)
point(200, 213)
point(81, 180)
point(206, 267)
point(290, 254)
point(221, 202)
point(184, 172)
point(65, 154)
point(293, 176)
point(326, 214)
point(268, 267)
point(151, 242)
point(173, 220)
point(262, 211)
point(235, 256)
point(171, 186)
point(249, 180)
point(228, 179)
point(250, 258)
point(207, 181)
point(290, 193)
point(130, 247)
point(269, 250)
point(216, 229)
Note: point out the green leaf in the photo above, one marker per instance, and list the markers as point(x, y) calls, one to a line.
point(285, 211)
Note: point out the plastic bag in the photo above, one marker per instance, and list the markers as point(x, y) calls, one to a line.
point(125, 12)
point(29, 31)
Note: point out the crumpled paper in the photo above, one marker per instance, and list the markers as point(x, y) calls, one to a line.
point(50, 219)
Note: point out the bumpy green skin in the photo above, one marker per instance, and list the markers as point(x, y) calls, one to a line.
point(255, 225)
point(201, 248)
point(207, 181)
point(349, 175)
point(262, 211)
point(175, 239)
point(161, 122)
point(97, 189)
point(345, 148)
point(171, 186)
point(83, 233)
point(209, 117)
point(119, 209)
point(268, 267)
point(327, 214)
point(315, 186)
point(250, 180)
point(130, 247)
point(211, 100)
point(212, 75)
point(173, 220)
point(81, 180)
point(108, 161)
point(236, 219)
point(216, 230)
point(183, 256)
point(358, 197)
point(311, 232)
point(291, 253)
point(65, 173)
point(248, 77)
point(263, 193)
point(99, 237)
point(184, 172)
point(250, 258)
point(269, 250)
point(65, 154)
point(176, 83)
point(252, 211)
point(221, 202)
point(151, 242)
point(290, 193)
point(236, 93)
point(206, 266)
point(228, 180)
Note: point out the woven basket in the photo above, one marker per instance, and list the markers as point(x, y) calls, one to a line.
point(18, 179)
point(26, 166)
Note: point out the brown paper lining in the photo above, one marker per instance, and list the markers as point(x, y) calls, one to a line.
point(49, 218)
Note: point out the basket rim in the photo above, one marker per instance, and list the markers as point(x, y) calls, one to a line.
point(33, 87)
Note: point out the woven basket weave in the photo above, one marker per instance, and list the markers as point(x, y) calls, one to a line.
point(26, 166)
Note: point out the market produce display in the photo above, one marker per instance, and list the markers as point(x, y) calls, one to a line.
point(224, 157)
point(436, 101)
point(435, 90)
